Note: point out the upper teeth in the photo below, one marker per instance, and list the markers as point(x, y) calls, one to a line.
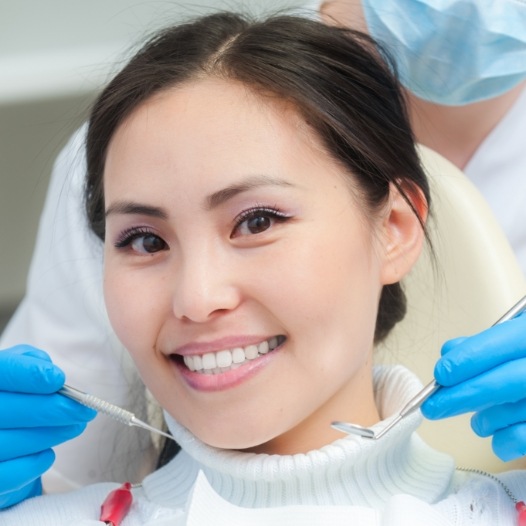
point(221, 361)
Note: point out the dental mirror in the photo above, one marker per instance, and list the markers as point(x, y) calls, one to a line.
point(419, 398)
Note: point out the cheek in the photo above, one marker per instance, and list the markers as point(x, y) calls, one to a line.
point(118, 305)
point(343, 298)
point(131, 309)
point(326, 282)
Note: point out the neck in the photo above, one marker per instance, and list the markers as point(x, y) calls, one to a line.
point(456, 132)
point(349, 471)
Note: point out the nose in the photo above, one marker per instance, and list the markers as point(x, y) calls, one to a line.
point(205, 287)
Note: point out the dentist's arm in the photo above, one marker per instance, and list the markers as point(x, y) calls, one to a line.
point(486, 374)
point(33, 419)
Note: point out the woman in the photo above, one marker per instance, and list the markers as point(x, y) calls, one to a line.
point(258, 213)
point(63, 314)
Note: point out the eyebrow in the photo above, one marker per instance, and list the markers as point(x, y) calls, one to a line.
point(221, 196)
point(130, 207)
point(212, 201)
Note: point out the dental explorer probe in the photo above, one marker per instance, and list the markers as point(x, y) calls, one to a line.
point(418, 399)
point(113, 411)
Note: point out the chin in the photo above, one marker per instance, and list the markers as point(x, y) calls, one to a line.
point(235, 442)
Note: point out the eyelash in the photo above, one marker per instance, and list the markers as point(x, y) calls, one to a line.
point(256, 211)
point(127, 237)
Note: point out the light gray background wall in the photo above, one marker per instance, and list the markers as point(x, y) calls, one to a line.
point(54, 56)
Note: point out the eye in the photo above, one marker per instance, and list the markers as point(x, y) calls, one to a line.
point(141, 241)
point(257, 220)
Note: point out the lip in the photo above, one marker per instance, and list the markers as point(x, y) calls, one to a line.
point(227, 379)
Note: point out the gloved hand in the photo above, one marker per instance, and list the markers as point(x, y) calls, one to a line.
point(32, 420)
point(486, 374)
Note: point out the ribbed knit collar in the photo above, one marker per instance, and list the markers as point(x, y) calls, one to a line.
point(349, 471)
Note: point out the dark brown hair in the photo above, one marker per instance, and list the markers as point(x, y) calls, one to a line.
point(339, 80)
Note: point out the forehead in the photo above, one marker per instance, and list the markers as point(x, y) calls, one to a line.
point(211, 130)
point(217, 110)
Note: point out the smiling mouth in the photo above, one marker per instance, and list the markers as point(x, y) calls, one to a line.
point(228, 359)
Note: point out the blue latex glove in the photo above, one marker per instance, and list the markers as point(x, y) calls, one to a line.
point(32, 420)
point(486, 374)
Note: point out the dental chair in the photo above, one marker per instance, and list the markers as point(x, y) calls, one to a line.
point(472, 280)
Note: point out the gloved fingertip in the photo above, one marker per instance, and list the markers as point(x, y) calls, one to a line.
point(430, 410)
point(478, 424)
point(443, 372)
point(77, 429)
point(510, 443)
point(504, 452)
point(29, 350)
point(24, 349)
point(33, 489)
point(48, 377)
point(46, 460)
point(89, 414)
point(24, 372)
point(75, 411)
point(55, 376)
point(451, 344)
point(36, 488)
point(64, 433)
point(40, 463)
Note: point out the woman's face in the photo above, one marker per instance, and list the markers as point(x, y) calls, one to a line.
point(240, 272)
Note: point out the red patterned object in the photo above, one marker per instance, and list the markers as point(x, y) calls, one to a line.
point(117, 505)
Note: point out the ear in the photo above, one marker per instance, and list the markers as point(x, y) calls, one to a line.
point(402, 231)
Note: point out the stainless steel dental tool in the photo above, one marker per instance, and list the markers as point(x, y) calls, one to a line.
point(113, 411)
point(420, 398)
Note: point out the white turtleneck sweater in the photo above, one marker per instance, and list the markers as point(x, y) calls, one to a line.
point(395, 481)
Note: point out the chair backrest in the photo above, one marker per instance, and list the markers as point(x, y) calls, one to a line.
point(472, 279)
